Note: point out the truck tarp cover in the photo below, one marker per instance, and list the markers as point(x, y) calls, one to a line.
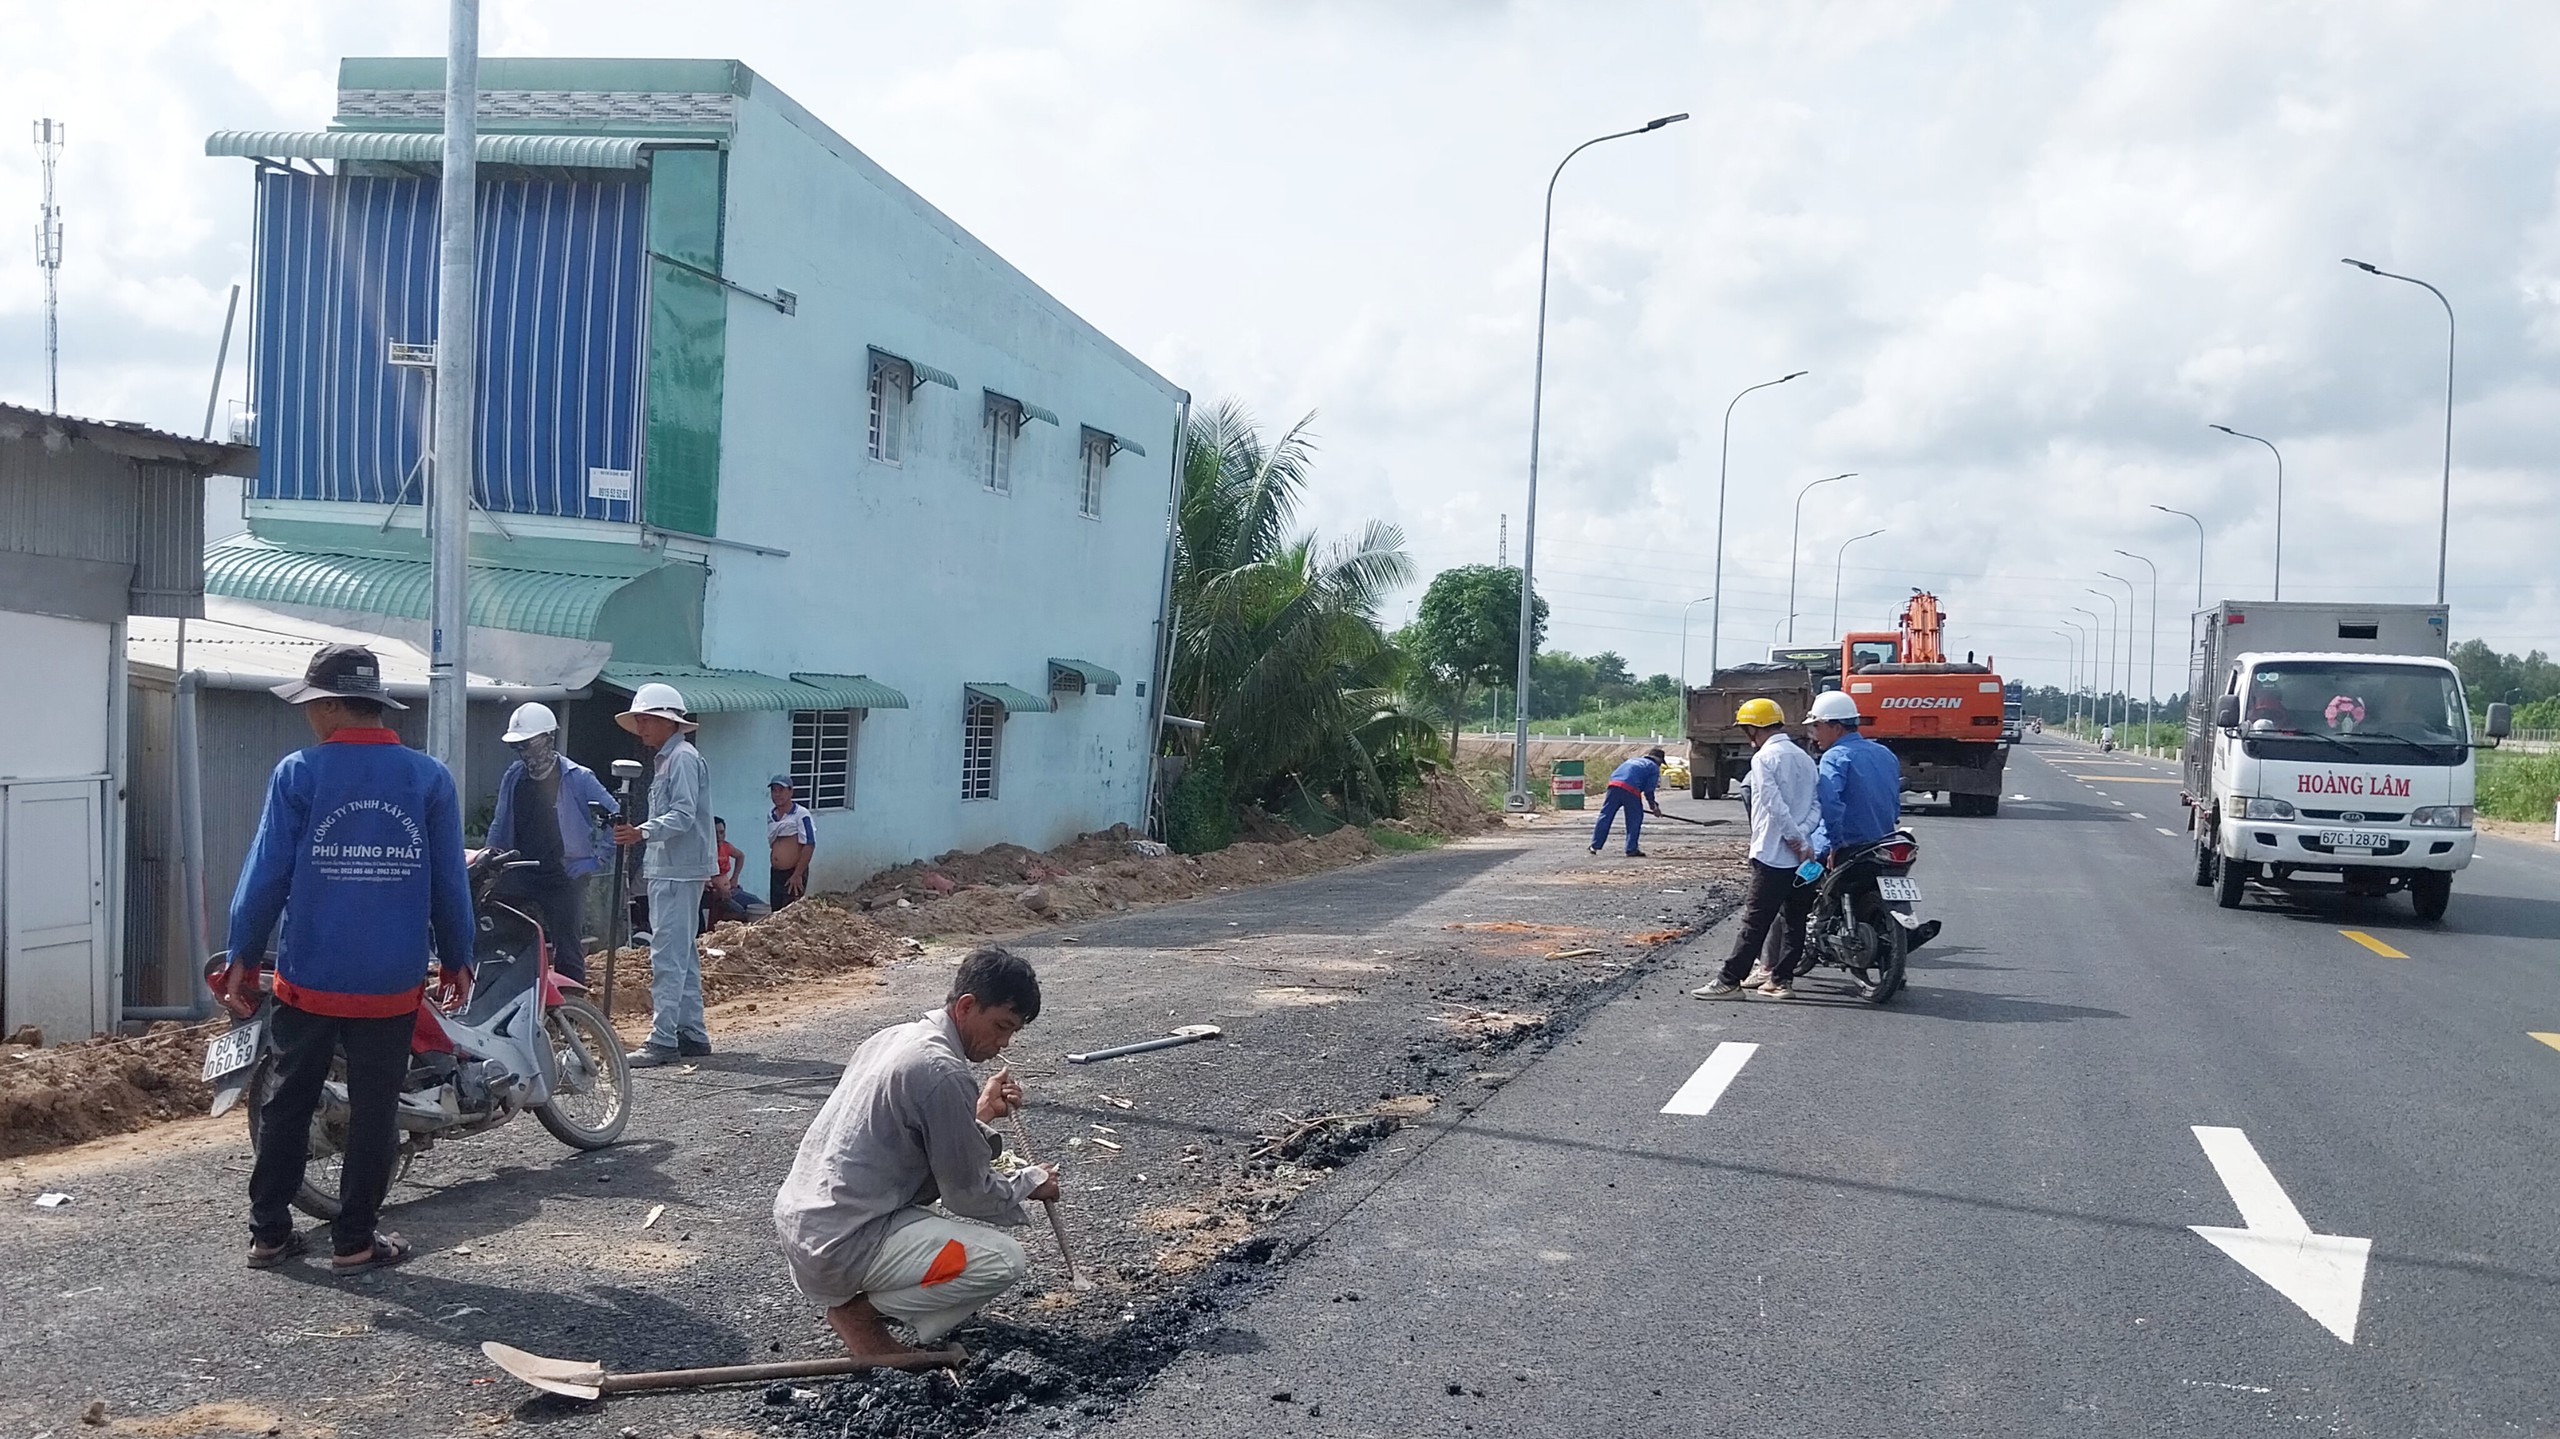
point(1761, 672)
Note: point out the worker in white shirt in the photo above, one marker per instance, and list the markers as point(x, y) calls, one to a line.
point(1786, 831)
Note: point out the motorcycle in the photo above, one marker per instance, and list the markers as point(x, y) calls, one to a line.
point(1862, 919)
point(525, 1038)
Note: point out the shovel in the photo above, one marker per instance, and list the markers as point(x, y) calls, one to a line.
point(1684, 819)
point(586, 1379)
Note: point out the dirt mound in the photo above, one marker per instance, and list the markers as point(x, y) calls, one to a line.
point(1450, 805)
point(74, 1092)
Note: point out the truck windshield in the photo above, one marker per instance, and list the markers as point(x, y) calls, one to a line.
point(2380, 713)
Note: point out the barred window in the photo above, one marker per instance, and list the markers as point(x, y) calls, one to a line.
point(981, 731)
point(822, 745)
point(1004, 426)
point(892, 380)
point(1097, 458)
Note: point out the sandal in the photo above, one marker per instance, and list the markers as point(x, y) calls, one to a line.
point(389, 1251)
point(295, 1244)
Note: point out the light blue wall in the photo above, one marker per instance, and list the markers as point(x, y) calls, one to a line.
point(917, 575)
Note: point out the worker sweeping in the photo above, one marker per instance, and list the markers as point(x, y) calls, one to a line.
point(1631, 788)
point(906, 1129)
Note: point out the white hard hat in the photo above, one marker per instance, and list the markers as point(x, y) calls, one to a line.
point(1834, 707)
point(530, 720)
point(655, 699)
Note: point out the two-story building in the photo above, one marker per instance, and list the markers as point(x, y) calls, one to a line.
point(752, 412)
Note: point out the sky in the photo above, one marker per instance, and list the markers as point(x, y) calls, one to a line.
point(2024, 253)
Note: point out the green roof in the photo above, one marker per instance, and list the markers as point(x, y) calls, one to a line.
point(1097, 679)
point(853, 692)
point(710, 691)
point(583, 152)
point(564, 600)
point(1015, 701)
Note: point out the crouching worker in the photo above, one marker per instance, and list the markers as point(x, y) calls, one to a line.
point(906, 1129)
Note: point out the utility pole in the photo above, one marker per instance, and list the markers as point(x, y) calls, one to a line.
point(1502, 543)
point(49, 259)
point(457, 360)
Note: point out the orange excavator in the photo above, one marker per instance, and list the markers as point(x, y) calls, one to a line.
point(1940, 717)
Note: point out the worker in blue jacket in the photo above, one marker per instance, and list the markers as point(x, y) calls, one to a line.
point(1631, 788)
point(359, 853)
point(1858, 783)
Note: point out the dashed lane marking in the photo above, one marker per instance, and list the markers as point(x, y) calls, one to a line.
point(2117, 803)
point(2171, 833)
point(2371, 943)
point(2129, 814)
point(1707, 1085)
point(2550, 1039)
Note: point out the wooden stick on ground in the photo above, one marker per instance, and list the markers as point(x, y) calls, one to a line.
point(586, 1379)
point(1076, 1279)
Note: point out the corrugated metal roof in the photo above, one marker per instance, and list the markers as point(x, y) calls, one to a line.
point(710, 691)
point(853, 692)
point(1097, 679)
point(543, 602)
point(1031, 411)
point(1015, 701)
point(579, 152)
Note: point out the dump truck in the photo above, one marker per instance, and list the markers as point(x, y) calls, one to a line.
point(2331, 740)
point(1719, 749)
point(1940, 717)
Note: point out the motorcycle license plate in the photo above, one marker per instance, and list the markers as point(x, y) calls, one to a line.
point(2355, 840)
point(233, 1050)
point(1897, 890)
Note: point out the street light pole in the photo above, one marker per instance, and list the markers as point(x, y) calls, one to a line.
point(1837, 567)
point(2125, 714)
point(1519, 796)
point(2444, 520)
point(457, 361)
point(1684, 648)
point(2088, 655)
point(1793, 536)
point(2279, 454)
point(2070, 674)
point(2099, 691)
point(1724, 452)
point(2199, 524)
point(2151, 666)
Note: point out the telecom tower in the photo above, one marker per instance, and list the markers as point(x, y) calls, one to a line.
point(49, 260)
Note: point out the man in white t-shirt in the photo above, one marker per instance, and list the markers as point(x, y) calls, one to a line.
point(791, 833)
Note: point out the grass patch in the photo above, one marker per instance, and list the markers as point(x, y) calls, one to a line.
point(1405, 841)
point(2518, 786)
point(1636, 717)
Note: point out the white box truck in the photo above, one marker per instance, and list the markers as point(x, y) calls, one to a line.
point(2331, 741)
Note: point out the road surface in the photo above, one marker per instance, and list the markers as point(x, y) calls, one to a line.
point(1976, 1211)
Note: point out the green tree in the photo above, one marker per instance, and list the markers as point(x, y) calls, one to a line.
point(1277, 645)
point(1560, 684)
point(1466, 635)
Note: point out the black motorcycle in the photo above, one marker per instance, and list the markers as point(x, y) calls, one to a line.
point(1862, 911)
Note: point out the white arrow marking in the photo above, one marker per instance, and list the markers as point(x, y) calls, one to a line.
point(1707, 1085)
point(2323, 1274)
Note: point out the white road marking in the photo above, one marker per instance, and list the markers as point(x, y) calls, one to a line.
point(2117, 803)
point(2323, 1274)
point(2171, 833)
point(2132, 814)
point(1707, 1085)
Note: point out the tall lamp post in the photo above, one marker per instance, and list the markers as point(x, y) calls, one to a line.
point(1519, 796)
point(2088, 654)
point(2097, 691)
point(1684, 647)
point(1724, 452)
point(2071, 676)
point(2151, 665)
point(1793, 536)
point(1837, 567)
point(2199, 524)
point(2279, 454)
point(457, 362)
point(2125, 715)
point(2444, 520)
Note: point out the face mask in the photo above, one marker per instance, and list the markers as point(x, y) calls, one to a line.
point(541, 759)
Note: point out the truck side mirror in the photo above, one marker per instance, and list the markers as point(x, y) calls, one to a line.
point(2501, 721)
point(2226, 712)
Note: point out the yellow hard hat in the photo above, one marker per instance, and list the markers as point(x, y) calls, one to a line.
point(1760, 713)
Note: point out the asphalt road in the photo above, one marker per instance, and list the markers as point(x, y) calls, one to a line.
point(1970, 1212)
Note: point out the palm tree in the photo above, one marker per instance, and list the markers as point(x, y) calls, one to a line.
point(1277, 644)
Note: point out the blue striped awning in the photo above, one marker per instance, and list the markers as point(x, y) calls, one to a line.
point(1015, 701)
point(571, 152)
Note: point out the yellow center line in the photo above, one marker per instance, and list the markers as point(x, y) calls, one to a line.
point(2550, 1039)
point(2371, 943)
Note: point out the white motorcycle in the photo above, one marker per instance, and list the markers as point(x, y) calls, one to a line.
point(525, 1039)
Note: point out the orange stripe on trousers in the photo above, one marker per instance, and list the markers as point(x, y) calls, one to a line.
point(947, 1265)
